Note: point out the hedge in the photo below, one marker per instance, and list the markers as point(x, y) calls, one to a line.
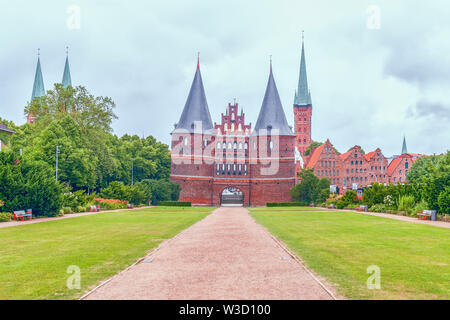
point(286, 204)
point(175, 203)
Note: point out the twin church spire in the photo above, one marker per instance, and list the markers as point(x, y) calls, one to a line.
point(38, 85)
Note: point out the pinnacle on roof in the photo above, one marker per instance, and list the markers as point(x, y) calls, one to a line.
point(271, 115)
point(66, 80)
point(38, 86)
point(404, 148)
point(196, 107)
point(303, 95)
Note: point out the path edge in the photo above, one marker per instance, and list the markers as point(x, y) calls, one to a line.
point(299, 260)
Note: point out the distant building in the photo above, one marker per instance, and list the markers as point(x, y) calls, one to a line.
point(8, 131)
point(326, 162)
point(39, 88)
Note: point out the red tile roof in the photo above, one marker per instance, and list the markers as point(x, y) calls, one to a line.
point(394, 163)
point(345, 155)
point(315, 157)
point(369, 155)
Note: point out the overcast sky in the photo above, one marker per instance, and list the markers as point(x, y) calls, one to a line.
point(372, 77)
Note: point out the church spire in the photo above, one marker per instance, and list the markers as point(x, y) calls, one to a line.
point(404, 148)
point(302, 96)
point(38, 86)
point(66, 80)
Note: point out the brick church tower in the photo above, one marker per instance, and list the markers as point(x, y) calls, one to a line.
point(302, 109)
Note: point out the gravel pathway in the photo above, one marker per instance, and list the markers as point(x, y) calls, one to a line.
point(441, 224)
point(67, 216)
point(227, 255)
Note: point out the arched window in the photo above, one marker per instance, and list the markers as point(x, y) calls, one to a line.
point(240, 145)
point(185, 141)
point(246, 146)
point(218, 145)
point(235, 145)
point(271, 145)
point(229, 145)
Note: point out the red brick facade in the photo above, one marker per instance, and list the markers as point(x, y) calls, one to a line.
point(302, 119)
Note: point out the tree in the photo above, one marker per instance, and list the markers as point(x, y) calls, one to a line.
point(163, 190)
point(311, 146)
point(310, 189)
point(26, 184)
point(361, 150)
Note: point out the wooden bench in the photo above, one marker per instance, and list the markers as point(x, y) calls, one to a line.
point(130, 205)
point(423, 215)
point(94, 208)
point(362, 208)
point(22, 215)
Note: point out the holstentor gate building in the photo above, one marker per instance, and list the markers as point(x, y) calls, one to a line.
point(208, 159)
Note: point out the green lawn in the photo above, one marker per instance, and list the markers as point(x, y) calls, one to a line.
point(164, 209)
point(34, 258)
point(414, 259)
point(273, 209)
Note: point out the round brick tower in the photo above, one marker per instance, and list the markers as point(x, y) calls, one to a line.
point(193, 147)
point(272, 151)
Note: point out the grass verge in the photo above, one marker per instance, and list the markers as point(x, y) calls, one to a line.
point(34, 258)
point(414, 259)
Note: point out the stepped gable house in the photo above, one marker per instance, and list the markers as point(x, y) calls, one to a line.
point(213, 162)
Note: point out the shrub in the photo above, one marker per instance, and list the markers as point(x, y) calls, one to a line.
point(406, 203)
point(444, 201)
point(67, 210)
point(287, 204)
point(175, 203)
point(5, 216)
point(26, 184)
point(81, 209)
point(378, 208)
point(112, 205)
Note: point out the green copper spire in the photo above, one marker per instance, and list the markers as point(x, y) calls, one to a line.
point(66, 80)
point(404, 148)
point(302, 96)
point(38, 86)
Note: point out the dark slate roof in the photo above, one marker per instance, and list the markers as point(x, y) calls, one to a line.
point(5, 128)
point(196, 107)
point(272, 113)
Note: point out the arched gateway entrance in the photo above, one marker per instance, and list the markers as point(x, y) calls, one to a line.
point(231, 196)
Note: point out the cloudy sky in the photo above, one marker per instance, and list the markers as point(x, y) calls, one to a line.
point(376, 69)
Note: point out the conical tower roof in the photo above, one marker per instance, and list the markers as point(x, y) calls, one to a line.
point(196, 107)
point(271, 115)
point(38, 86)
point(302, 96)
point(66, 80)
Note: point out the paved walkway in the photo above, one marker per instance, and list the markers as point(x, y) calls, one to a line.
point(227, 255)
point(39, 220)
point(441, 224)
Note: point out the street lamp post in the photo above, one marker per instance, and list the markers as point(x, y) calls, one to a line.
point(57, 152)
point(132, 172)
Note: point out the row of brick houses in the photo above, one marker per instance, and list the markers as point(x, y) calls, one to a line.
point(355, 169)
